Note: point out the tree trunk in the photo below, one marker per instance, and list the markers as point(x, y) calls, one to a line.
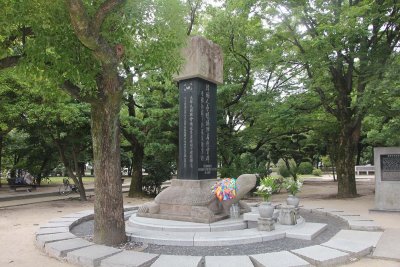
point(345, 161)
point(136, 186)
point(109, 224)
point(77, 177)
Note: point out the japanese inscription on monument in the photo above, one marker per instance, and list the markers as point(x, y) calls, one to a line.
point(390, 167)
point(197, 129)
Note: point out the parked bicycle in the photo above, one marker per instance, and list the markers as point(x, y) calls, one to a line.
point(66, 188)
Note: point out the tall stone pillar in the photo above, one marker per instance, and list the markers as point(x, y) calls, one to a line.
point(198, 110)
point(189, 198)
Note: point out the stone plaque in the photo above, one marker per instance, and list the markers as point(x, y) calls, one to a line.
point(390, 167)
point(197, 129)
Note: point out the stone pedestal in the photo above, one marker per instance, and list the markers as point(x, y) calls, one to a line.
point(287, 215)
point(266, 224)
point(186, 200)
point(193, 201)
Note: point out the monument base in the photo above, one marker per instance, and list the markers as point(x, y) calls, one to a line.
point(186, 200)
point(194, 201)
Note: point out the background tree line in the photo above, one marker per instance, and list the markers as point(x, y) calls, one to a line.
point(92, 81)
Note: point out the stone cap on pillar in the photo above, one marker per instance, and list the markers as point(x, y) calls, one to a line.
point(202, 59)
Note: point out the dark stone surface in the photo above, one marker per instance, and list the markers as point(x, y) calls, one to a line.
point(197, 129)
point(390, 167)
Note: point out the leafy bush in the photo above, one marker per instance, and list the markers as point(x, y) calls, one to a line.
point(305, 168)
point(284, 171)
point(317, 172)
point(159, 171)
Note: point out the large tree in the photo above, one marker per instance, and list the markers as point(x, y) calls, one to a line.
point(342, 46)
point(254, 77)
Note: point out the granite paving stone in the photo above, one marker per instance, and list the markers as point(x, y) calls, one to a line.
point(278, 259)
point(368, 238)
point(181, 261)
point(91, 256)
point(306, 231)
point(227, 238)
point(162, 238)
point(41, 240)
point(64, 219)
point(61, 248)
point(322, 256)
point(356, 249)
point(58, 224)
point(364, 225)
point(74, 215)
point(129, 259)
point(388, 245)
point(231, 261)
point(45, 231)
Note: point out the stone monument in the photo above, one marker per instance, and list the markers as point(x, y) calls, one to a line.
point(189, 198)
point(387, 178)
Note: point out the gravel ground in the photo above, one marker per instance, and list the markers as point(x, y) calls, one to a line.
point(334, 225)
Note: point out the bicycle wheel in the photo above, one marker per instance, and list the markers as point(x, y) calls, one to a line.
point(64, 190)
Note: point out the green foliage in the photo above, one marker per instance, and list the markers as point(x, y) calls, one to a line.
point(267, 187)
point(305, 168)
point(159, 170)
point(317, 172)
point(284, 170)
point(292, 186)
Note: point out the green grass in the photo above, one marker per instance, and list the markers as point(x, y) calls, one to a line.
point(57, 180)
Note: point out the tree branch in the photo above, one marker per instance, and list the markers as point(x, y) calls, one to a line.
point(102, 13)
point(75, 92)
point(81, 23)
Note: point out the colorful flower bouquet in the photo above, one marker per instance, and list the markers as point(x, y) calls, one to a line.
point(225, 189)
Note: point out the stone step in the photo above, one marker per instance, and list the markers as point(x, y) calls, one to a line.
point(231, 261)
point(129, 259)
point(356, 249)
point(181, 261)
point(181, 226)
point(42, 240)
point(367, 238)
point(91, 256)
point(306, 231)
point(388, 245)
point(322, 256)
point(61, 248)
point(278, 259)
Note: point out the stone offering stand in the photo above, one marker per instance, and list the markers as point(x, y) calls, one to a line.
point(55, 239)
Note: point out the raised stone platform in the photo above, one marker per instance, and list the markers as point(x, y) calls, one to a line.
point(230, 231)
point(180, 226)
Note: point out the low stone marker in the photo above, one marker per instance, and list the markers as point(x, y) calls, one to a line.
point(387, 178)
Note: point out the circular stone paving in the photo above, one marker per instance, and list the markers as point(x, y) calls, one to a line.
point(346, 237)
point(334, 225)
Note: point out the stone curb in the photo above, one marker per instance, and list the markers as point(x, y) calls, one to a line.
point(55, 239)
